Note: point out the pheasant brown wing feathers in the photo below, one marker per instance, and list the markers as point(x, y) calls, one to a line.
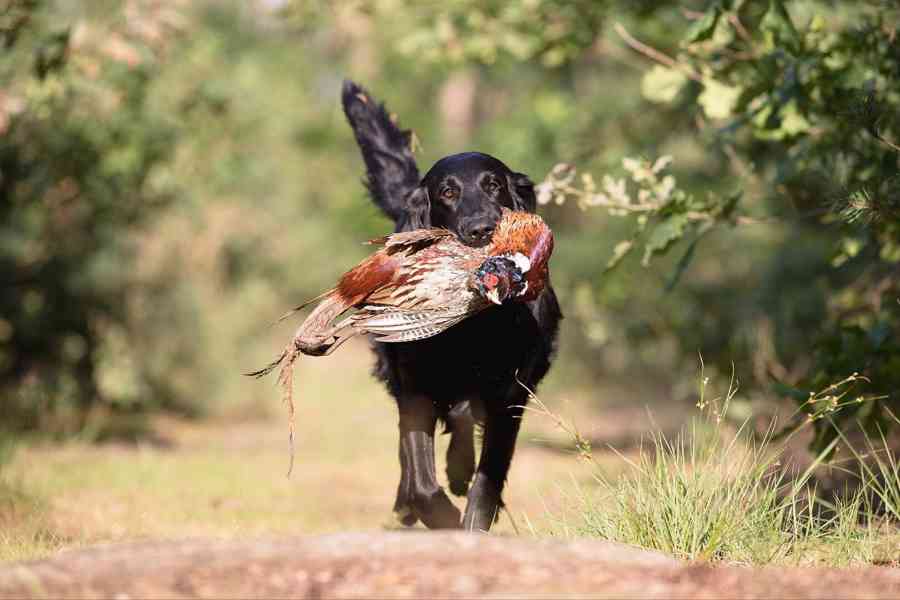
point(390, 324)
point(412, 239)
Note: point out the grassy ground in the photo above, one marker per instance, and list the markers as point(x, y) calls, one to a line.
point(226, 478)
point(717, 491)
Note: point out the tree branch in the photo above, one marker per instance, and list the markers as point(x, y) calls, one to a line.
point(654, 54)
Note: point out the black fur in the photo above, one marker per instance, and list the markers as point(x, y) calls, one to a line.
point(391, 172)
point(475, 371)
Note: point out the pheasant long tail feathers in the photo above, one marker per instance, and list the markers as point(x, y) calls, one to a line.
point(317, 326)
point(268, 368)
point(286, 380)
point(300, 307)
point(314, 336)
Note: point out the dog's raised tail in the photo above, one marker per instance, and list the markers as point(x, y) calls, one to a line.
point(391, 171)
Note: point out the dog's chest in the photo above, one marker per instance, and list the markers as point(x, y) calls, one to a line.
point(479, 354)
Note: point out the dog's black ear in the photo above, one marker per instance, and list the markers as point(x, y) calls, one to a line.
point(418, 210)
point(521, 188)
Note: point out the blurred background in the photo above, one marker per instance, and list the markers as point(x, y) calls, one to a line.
point(174, 175)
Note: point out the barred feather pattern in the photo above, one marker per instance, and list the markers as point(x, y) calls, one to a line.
point(393, 325)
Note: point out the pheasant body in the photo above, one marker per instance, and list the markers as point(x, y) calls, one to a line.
point(418, 285)
point(422, 282)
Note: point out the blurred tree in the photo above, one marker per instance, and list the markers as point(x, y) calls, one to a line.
point(78, 147)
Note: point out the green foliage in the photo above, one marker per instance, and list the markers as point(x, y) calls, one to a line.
point(551, 31)
point(809, 111)
point(184, 174)
point(665, 213)
point(77, 153)
point(797, 102)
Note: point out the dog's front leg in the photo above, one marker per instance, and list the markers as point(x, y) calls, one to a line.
point(461, 451)
point(419, 495)
point(501, 427)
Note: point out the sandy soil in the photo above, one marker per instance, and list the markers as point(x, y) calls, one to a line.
point(415, 565)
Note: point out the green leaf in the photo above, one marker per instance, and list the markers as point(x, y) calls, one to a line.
point(619, 252)
point(51, 54)
point(685, 260)
point(792, 120)
point(662, 84)
point(777, 25)
point(731, 202)
point(718, 99)
point(664, 235)
point(890, 251)
point(784, 123)
point(703, 28)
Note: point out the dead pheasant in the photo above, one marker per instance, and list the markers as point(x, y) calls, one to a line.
point(420, 284)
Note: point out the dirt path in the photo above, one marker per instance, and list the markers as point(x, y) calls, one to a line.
point(414, 565)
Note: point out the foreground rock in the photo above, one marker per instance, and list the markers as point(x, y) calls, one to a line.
point(415, 565)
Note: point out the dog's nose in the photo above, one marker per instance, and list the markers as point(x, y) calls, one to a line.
point(481, 232)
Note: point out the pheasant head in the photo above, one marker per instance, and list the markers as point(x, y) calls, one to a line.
point(499, 278)
point(519, 257)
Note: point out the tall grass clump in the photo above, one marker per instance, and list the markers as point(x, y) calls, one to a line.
point(696, 497)
point(879, 470)
point(722, 492)
point(884, 478)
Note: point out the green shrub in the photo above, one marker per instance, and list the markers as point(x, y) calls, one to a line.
point(78, 150)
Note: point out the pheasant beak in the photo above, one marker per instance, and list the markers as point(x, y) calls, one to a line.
point(494, 288)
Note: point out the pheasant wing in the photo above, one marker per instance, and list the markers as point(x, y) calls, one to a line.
point(415, 240)
point(392, 324)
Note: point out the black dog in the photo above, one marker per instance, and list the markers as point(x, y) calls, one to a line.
point(473, 371)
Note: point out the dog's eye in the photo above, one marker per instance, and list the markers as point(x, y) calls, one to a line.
point(492, 187)
point(448, 194)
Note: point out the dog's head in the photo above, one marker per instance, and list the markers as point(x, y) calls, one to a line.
point(464, 193)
